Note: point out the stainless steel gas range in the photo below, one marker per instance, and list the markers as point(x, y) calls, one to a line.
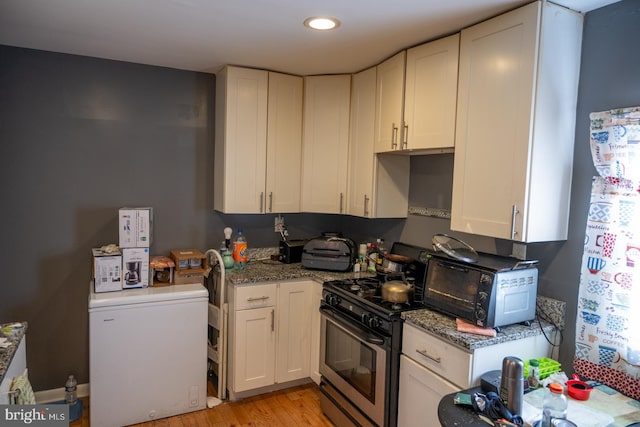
point(361, 342)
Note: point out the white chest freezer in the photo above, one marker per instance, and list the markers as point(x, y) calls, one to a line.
point(147, 353)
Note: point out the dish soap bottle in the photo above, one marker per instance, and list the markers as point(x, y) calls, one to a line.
point(240, 251)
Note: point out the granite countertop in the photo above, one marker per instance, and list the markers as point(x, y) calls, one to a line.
point(12, 332)
point(268, 271)
point(445, 327)
point(261, 269)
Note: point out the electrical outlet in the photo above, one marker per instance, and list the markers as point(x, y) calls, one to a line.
point(279, 224)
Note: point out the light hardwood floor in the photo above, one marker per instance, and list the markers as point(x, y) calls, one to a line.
point(297, 406)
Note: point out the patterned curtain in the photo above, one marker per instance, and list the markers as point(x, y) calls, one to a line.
point(608, 321)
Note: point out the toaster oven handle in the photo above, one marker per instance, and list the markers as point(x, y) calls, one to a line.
point(453, 267)
point(524, 264)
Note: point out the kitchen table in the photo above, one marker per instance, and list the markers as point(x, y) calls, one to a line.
point(605, 408)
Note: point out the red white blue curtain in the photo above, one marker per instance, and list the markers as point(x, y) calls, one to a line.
point(608, 321)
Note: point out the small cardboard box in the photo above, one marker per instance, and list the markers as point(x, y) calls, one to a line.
point(135, 268)
point(135, 227)
point(189, 261)
point(107, 271)
point(191, 264)
point(188, 278)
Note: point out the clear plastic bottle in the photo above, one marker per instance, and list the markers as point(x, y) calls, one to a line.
point(240, 251)
point(71, 390)
point(554, 405)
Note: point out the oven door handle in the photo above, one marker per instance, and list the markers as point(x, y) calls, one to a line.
point(359, 332)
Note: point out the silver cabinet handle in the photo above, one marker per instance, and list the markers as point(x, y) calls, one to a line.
point(394, 136)
point(257, 299)
point(272, 320)
point(514, 213)
point(271, 201)
point(261, 201)
point(405, 137)
point(366, 205)
point(428, 356)
point(341, 201)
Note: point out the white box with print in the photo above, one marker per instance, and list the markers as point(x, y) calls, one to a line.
point(135, 267)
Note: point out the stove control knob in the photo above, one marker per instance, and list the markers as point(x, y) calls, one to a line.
point(370, 320)
point(331, 299)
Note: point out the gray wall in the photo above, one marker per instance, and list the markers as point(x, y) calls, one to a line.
point(81, 137)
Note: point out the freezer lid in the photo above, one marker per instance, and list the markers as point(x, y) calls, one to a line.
point(147, 295)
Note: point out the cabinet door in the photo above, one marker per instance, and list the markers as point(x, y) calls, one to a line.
point(284, 143)
point(389, 103)
point(325, 143)
point(361, 154)
point(240, 140)
point(294, 331)
point(419, 394)
point(254, 352)
point(431, 89)
point(496, 86)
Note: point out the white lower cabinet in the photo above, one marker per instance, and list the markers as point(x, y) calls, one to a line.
point(269, 335)
point(254, 349)
point(431, 367)
point(420, 394)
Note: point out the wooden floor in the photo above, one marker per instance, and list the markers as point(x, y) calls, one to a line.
point(297, 406)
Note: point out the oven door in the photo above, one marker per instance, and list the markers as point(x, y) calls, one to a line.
point(353, 360)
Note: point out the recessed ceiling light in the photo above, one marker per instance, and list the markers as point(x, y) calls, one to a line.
point(321, 23)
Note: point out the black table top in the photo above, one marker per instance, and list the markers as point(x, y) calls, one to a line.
point(451, 414)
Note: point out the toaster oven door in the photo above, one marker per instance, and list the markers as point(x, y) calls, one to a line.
point(452, 288)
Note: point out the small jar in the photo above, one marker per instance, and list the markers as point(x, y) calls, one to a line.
point(534, 373)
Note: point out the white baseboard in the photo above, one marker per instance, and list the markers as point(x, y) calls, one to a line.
point(57, 394)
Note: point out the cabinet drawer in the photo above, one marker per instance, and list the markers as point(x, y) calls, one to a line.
point(443, 358)
point(255, 296)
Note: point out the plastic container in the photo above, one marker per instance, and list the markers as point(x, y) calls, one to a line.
point(512, 384)
point(554, 405)
point(534, 373)
point(578, 389)
point(547, 367)
point(71, 390)
point(240, 251)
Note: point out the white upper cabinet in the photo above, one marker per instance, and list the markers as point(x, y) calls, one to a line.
point(325, 143)
point(416, 99)
point(240, 140)
point(515, 129)
point(284, 143)
point(431, 88)
point(372, 178)
point(258, 141)
point(389, 102)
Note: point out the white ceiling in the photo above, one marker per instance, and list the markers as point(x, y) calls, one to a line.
point(204, 35)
